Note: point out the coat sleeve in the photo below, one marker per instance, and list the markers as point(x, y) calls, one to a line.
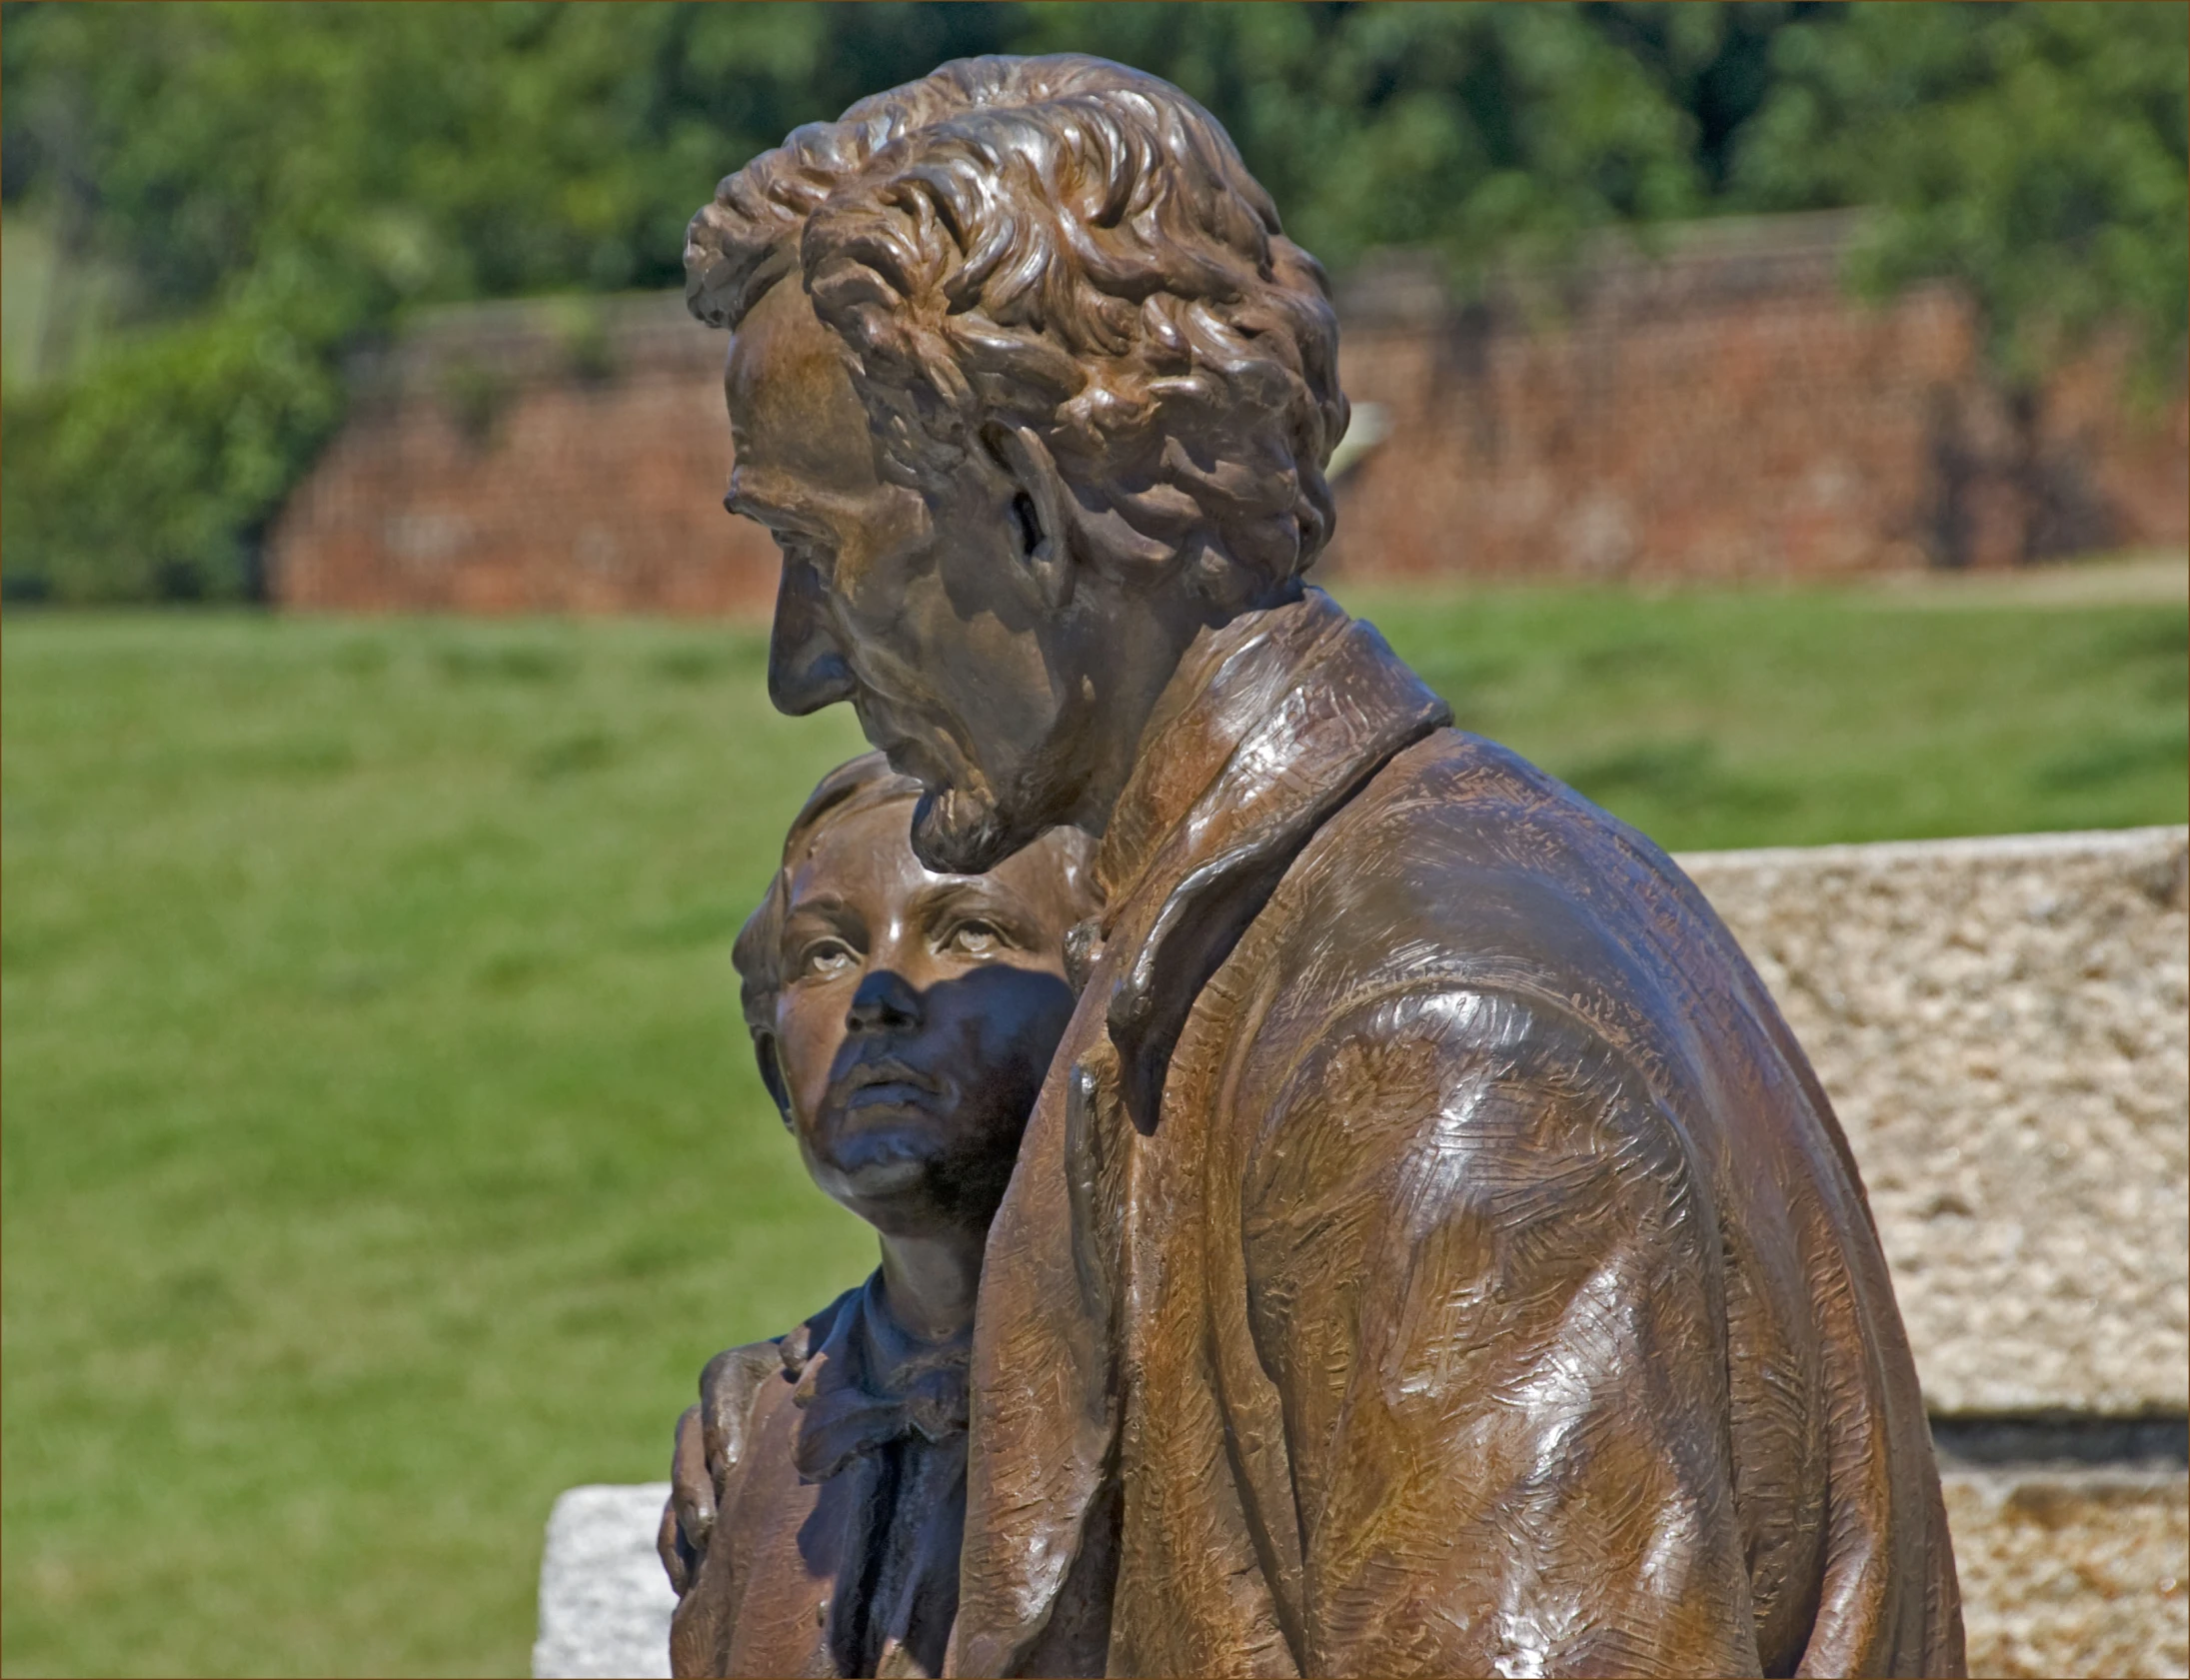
point(720, 1427)
point(1485, 1277)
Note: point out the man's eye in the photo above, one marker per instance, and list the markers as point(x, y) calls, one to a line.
point(829, 958)
point(975, 939)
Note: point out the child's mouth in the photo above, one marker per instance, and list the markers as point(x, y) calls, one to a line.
point(889, 1093)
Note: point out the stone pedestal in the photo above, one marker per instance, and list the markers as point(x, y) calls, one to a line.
point(604, 1601)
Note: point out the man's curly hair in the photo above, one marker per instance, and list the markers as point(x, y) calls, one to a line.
point(1072, 250)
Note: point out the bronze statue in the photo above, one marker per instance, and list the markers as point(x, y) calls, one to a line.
point(1429, 1252)
point(902, 1022)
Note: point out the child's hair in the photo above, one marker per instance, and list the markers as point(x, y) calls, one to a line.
point(757, 955)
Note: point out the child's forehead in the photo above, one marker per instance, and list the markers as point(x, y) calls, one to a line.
point(856, 835)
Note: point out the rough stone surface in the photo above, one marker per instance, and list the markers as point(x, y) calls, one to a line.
point(2001, 1025)
point(604, 1601)
point(2073, 1573)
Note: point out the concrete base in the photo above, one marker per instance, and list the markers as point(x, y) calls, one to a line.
point(2003, 1025)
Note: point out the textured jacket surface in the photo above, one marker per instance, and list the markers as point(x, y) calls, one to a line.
point(1430, 1253)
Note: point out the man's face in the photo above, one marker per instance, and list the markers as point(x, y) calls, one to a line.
point(917, 609)
point(917, 1018)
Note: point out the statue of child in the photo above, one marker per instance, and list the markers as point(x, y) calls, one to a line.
point(904, 1021)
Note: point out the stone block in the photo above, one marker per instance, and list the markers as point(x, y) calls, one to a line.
point(605, 1603)
point(2003, 1025)
point(2073, 1573)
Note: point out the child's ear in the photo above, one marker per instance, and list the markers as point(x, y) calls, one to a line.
point(771, 1073)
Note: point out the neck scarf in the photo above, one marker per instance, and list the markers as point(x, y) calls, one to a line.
point(886, 1413)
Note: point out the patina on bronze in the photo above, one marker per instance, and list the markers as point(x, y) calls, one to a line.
point(1429, 1252)
point(902, 1022)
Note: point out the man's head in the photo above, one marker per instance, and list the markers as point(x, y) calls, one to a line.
point(1031, 389)
point(904, 1020)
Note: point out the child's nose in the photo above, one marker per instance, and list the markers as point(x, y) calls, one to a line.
point(884, 1002)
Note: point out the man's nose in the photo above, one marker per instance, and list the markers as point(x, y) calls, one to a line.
point(807, 668)
point(884, 1002)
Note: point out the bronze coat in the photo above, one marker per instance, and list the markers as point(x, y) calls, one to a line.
point(1431, 1253)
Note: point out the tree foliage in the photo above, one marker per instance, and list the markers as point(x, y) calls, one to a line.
point(269, 187)
point(2036, 154)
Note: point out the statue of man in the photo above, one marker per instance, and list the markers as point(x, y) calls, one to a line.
point(1431, 1251)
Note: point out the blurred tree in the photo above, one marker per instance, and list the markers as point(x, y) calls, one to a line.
point(277, 183)
point(2036, 155)
point(237, 194)
point(1474, 130)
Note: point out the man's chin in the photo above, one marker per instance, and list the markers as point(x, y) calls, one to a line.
point(955, 832)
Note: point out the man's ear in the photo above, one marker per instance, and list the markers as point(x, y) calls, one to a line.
point(1042, 507)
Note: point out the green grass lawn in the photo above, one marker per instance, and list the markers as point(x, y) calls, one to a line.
point(382, 1154)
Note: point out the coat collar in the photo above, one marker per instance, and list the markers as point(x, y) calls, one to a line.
point(861, 1382)
point(1271, 725)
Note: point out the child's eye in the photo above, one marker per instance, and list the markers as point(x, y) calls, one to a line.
point(975, 939)
point(829, 957)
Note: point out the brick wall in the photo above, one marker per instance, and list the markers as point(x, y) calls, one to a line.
point(1720, 409)
point(1725, 409)
point(530, 457)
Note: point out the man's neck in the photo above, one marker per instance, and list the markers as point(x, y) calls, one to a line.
point(1147, 646)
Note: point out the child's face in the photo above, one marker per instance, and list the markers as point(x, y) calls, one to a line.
point(917, 1016)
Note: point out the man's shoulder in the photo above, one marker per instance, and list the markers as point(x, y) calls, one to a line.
point(1479, 802)
point(1459, 854)
point(1465, 891)
point(1422, 1036)
point(1438, 1099)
